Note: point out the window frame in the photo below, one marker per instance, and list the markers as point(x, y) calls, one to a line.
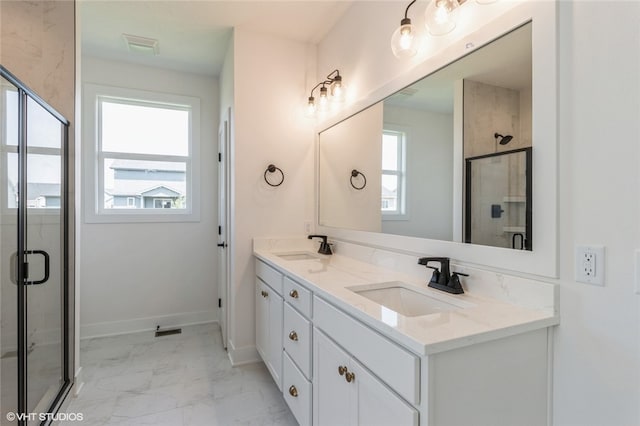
point(401, 213)
point(94, 156)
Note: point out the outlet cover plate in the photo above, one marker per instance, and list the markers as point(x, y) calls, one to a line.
point(589, 264)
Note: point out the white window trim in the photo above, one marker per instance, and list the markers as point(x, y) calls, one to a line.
point(94, 211)
point(402, 175)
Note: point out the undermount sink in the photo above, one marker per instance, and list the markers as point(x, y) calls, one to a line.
point(302, 255)
point(407, 300)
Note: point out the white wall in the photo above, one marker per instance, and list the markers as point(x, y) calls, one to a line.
point(270, 84)
point(597, 357)
point(138, 275)
point(429, 173)
point(596, 378)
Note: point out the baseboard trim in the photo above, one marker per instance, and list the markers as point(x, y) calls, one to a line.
point(115, 328)
point(243, 355)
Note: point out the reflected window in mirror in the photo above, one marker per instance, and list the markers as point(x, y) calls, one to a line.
point(393, 203)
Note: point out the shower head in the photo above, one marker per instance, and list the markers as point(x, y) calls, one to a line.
point(503, 139)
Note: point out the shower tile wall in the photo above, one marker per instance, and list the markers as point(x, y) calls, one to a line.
point(489, 109)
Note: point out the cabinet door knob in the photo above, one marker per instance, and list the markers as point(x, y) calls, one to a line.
point(293, 336)
point(264, 293)
point(350, 377)
point(293, 391)
point(341, 370)
point(294, 294)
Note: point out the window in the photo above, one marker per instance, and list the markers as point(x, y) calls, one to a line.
point(393, 174)
point(143, 164)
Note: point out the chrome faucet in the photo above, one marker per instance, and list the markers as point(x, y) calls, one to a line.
point(442, 279)
point(325, 247)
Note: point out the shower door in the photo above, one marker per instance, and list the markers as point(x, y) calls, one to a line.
point(498, 198)
point(35, 315)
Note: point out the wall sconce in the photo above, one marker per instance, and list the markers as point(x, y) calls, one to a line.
point(405, 40)
point(332, 88)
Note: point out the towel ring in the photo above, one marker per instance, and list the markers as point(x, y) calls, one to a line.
point(271, 169)
point(355, 173)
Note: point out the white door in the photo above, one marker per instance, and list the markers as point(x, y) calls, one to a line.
point(377, 405)
point(223, 229)
point(332, 395)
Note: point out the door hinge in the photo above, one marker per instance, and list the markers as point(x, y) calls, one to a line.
point(219, 157)
point(219, 303)
point(219, 230)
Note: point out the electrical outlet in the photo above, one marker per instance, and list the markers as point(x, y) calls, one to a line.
point(307, 227)
point(589, 264)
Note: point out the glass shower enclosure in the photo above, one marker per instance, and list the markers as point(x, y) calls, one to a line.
point(35, 350)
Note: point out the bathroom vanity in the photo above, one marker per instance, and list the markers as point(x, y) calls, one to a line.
point(350, 342)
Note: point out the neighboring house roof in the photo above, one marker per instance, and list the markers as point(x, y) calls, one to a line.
point(148, 165)
point(35, 190)
point(136, 188)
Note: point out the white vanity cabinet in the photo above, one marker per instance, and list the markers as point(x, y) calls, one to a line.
point(335, 367)
point(345, 393)
point(269, 319)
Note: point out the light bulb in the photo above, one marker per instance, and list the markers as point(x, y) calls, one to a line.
point(441, 16)
point(405, 40)
point(338, 90)
point(323, 100)
point(311, 107)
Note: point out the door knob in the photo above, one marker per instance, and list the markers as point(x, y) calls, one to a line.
point(350, 377)
point(341, 370)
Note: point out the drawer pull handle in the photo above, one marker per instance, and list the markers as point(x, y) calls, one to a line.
point(293, 391)
point(264, 293)
point(341, 370)
point(294, 294)
point(350, 377)
point(293, 336)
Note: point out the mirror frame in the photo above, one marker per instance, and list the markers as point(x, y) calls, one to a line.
point(543, 260)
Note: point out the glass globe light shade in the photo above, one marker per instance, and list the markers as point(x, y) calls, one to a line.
point(338, 89)
point(405, 40)
point(323, 100)
point(441, 16)
point(311, 107)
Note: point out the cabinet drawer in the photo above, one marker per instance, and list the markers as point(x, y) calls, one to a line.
point(297, 339)
point(297, 296)
point(397, 367)
point(269, 275)
point(297, 392)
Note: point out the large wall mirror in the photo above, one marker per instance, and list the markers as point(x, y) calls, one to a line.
point(404, 147)
point(456, 156)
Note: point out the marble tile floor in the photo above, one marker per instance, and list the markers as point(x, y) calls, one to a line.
point(183, 379)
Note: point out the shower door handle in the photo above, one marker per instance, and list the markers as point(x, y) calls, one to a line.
point(46, 267)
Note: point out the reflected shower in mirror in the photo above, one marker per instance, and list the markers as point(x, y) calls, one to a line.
point(479, 105)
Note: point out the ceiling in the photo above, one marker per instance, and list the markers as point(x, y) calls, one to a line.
point(193, 34)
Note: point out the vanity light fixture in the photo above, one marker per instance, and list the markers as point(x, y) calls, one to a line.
point(331, 88)
point(405, 40)
point(441, 16)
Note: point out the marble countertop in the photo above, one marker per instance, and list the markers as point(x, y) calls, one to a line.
point(483, 318)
